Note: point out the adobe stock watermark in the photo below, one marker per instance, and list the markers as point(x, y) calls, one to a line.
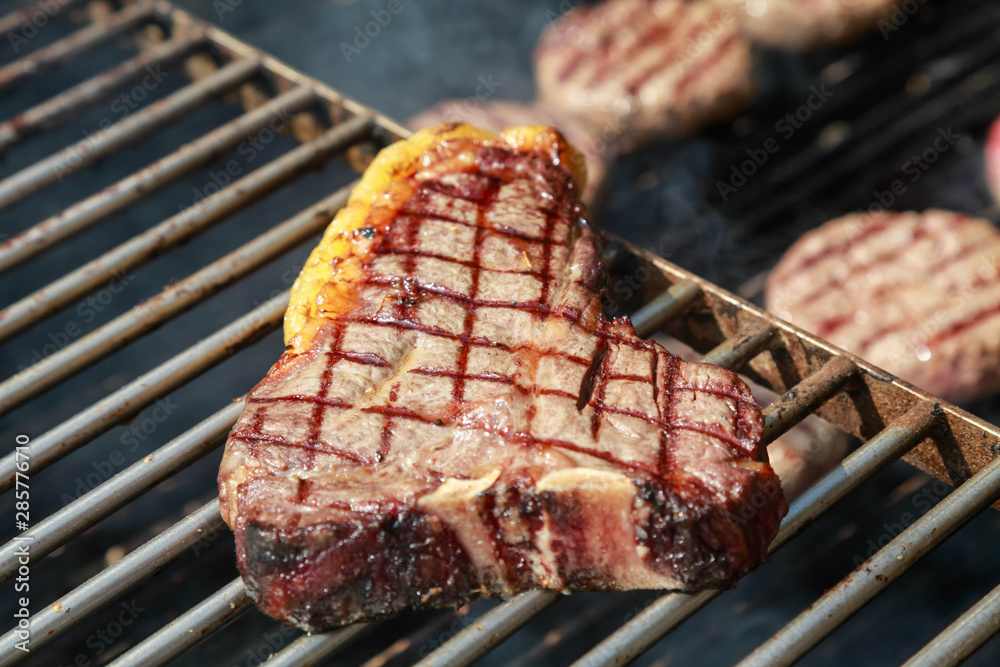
point(86, 311)
point(104, 638)
point(138, 432)
point(740, 173)
point(122, 105)
point(704, 37)
point(248, 150)
point(363, 35)
point(901, 13)
point(24, 33)
point(273, 641)
point(915, 167)
point(460, 110)
point(922, 501)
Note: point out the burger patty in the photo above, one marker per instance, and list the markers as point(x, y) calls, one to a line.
point(454, 416)
point(810, 24)
point(495, 116)
point(640, 70)
point(917, 294)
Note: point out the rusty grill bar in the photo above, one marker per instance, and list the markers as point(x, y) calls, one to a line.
point(895, 420)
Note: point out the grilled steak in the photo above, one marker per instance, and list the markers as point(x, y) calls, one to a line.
point(917, 294)
point(495, 116)
point(645, 69)
point(454, 417)
point(810, 24)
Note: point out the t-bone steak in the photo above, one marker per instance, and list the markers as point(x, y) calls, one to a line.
point(454, 417)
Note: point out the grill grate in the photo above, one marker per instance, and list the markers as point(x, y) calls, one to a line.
point(894, 419)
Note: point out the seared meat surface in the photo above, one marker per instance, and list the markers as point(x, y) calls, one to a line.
point(454, 416)
point(917, 294)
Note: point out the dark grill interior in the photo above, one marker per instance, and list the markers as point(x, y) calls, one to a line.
point(889, 100)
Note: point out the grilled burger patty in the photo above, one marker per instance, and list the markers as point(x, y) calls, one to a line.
point(495, 116)
point(917, 294)
point(645, 69)
point(809, 24)
point(454, 417)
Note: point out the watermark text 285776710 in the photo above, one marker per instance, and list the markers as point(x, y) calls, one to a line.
point(22, 517)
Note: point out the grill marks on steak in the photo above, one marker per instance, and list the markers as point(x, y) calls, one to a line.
point(474, 426)
point(645, 69)
point(915, 293)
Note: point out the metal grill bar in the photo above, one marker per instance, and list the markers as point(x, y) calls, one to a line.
point(55, 619)
point(182, 633)
point(79, 42)
point(736, 351)
point(792, 407)
point(141, 392)
point(56, 109)
point(309, 649)
point(673, 302)
point(963, 637)
point(496, 625)
point(874, 575)
point(88, 509)
point(179, 227)
point(672, 609)
point(171, 301)
point(62, 163)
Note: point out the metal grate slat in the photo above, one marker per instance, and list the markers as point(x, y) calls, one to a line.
point(59, 165)
point(47, 114)
point(193, 626)
point(654, 622)
point(54, 620)
point(76, 44)
point(181, 226)
point(144, 390)
point(874, 575)
point(171, 301)
point(963, 637)
point(84, 512)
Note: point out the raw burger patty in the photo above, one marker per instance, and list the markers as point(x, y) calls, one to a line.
point(642, 69)
point(917, 294)
point(495, 116)
point(454, 416)
point(809, 24)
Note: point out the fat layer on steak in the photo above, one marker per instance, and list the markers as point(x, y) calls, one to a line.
point(494, 116)
point(455, 417)
point(917, 294)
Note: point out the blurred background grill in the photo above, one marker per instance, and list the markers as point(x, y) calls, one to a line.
point(888, 99)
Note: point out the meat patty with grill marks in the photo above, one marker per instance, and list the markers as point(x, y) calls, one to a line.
point(645, 69)
point(495, 116)
point(454, 416)
point(810, 24)
point(917, 294)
